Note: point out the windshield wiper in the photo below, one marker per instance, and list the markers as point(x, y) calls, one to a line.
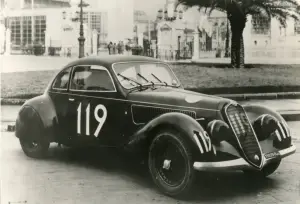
point(145, 79)
point(128, 79)
point(159, 79)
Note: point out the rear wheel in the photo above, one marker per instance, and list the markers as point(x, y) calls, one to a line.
point(266, 171)
point(32, 140)
point(170, 163)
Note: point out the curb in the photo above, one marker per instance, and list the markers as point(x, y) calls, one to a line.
point(291, 115)
point(227, 64)
point(266, 96)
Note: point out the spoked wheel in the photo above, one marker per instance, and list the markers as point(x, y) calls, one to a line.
point(170, 163)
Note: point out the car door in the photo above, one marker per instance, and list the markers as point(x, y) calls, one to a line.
point(59, 96)
point(96, 111)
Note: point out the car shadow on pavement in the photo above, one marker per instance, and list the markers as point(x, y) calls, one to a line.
point(209, 186)
point(109, 160)
point(228, 185)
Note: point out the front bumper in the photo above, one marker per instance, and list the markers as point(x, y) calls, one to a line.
point(240, 164)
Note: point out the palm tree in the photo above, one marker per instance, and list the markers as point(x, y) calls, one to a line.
point(237, 12)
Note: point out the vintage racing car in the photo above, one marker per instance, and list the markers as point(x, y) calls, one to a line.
point(138, 103)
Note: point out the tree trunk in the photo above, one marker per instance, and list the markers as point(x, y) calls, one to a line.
point(227, 41)
point(237, 42)
point(242, 52)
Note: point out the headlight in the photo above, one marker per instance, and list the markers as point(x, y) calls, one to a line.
point(218, 131)
point(266, 126)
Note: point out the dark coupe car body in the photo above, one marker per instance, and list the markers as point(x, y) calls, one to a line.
point(139, 104)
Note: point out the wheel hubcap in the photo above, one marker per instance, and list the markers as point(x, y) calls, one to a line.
point(170, 164)
point(166, 164)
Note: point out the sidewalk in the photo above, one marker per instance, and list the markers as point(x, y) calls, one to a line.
point(289, 109)
point(20, 63)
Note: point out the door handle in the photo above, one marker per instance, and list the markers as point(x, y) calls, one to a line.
point(71, 99)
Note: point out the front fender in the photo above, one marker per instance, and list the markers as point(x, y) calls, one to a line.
point(254, 111)
point(193, 132)
point(43, 108)
point(270, 144)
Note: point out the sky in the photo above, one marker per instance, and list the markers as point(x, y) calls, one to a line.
point(149, 6)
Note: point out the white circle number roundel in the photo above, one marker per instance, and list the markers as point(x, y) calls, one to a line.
point(100, 119)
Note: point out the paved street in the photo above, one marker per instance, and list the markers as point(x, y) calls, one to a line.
point(98, 176)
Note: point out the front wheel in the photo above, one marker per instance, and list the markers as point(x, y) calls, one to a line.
point(266, 171)
point(170, 163)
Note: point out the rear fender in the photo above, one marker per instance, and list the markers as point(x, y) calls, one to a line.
point(193, 132)
point(42, 107)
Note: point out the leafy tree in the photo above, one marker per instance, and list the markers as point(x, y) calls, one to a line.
point(237, 12)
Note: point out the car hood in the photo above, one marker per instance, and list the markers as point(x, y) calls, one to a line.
point(178, 97)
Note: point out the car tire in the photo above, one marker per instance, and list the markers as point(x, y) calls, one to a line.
point(32, 140)
point(173, 174)
point(266, 171)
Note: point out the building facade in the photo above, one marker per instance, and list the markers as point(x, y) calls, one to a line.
point(55, 23)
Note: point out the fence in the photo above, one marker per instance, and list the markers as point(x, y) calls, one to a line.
point(171, 55)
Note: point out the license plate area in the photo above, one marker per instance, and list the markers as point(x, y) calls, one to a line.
point(272, 155)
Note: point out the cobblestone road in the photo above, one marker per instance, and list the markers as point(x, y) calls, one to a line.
point(90, 176)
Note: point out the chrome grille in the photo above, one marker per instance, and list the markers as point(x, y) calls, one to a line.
point(244, 133)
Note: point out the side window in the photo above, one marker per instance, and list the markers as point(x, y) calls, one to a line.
point(95, 78)
point(62, 79)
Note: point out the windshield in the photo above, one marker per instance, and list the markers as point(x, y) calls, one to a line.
point(144, 73)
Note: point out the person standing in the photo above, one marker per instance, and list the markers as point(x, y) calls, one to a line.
point(110, 48)
point(119, 47)
point(122, 47)
point(114, 48)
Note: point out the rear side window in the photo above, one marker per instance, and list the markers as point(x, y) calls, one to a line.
point(91, 78)
point(62, 79)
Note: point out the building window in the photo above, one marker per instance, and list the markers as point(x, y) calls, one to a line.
point(39, 29)
point(297, 27)
point(98, 22)
point(27, 30)
point(260, 25)
point(15, 27)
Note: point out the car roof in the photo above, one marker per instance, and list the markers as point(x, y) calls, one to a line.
point(107, 61)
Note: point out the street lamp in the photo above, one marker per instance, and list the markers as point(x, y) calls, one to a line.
point(79, 17)
point(81, 38)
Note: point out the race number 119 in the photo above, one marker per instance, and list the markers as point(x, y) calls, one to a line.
point(99, 119)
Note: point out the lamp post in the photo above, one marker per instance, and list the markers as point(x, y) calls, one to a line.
point(79, 17)
point(81, 38)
